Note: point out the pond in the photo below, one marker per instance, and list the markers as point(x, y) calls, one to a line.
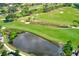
point(32, 43)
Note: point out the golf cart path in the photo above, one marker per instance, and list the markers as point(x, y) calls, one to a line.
point(12, 50)
point(69, 28)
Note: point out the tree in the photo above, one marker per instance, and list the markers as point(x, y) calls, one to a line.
point(75, 22)
point(45, 7)
point(25, 11)
point(17, 52)
point(4, 53)
point(76, 5)
point(77, 50)
point(3, 11)
point(67, 4)
point(12, 36)
point(68, 48)
point(1, 45)
point(12, 9)
point(10, 17)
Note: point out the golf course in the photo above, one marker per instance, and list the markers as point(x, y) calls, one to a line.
point(50, 25)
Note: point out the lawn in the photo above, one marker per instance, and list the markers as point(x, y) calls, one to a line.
point(61, 16)
point(53, 34)
point(64, 15)
point(50, 33)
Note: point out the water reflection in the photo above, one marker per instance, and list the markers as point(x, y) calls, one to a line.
point(37, 45)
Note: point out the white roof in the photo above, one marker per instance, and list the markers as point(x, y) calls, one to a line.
point(1, 39)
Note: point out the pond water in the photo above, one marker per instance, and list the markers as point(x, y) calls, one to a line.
point(29, 42)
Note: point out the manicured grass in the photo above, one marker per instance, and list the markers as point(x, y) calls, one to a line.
point(69, 14)
point(60, 35)
point(66, 18)
point(52, 34)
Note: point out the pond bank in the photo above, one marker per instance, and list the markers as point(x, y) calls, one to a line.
point(32, 43)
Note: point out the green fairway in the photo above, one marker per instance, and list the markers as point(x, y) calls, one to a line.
point(69, 14)
point(58, 23)
point(62, 16)
point(52, 34)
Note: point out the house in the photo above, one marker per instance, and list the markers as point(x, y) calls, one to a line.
point(1, 38)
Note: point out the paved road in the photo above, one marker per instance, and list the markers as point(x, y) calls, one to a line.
point(12, 50)
point(69, 28)
point(2, 40)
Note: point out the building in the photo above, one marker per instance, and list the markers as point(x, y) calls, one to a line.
point(1, 38)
